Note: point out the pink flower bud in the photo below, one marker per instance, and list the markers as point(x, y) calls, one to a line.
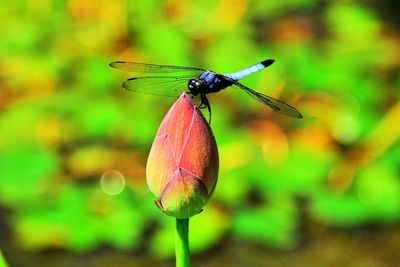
point(182, 167)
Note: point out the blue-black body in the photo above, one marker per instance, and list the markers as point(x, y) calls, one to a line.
point(169, 80)
point(212, 82)
point(208, 82)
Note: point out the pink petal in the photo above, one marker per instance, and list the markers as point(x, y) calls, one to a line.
point(184, 196)
point(200, 154)
point(177, 123)
point(160, 164)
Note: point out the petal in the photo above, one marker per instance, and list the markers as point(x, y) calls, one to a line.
point(161, 164)
point(177, 123)
point(184, 196)
point(200, 154)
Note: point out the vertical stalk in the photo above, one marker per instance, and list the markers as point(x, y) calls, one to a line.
point(182, 253)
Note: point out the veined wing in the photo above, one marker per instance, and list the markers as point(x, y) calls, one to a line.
point(158, 85)
point(273, 103)
point(145, 69)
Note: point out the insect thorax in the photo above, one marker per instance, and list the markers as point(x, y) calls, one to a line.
point(209, 82)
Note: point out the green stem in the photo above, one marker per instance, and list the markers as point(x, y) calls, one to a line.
point(182, 252)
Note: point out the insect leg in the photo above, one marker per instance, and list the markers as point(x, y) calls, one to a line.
point(204, 100)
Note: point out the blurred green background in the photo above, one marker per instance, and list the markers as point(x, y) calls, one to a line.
point(321, 191)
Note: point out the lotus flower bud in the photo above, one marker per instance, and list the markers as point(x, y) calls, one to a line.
point(182, 167)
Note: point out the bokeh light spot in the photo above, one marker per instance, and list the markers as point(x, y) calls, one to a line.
point(112, 182)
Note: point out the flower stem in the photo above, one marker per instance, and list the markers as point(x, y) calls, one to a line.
point(182, 252)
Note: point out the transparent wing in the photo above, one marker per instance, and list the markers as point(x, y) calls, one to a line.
point(144, 69)
point(158, 85)
point(273, 103)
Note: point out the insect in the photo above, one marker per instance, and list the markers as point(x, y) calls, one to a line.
point(166, 80)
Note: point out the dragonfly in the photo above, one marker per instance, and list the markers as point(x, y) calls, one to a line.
point(168, 80)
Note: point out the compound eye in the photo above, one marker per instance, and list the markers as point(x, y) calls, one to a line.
point(193, 84)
